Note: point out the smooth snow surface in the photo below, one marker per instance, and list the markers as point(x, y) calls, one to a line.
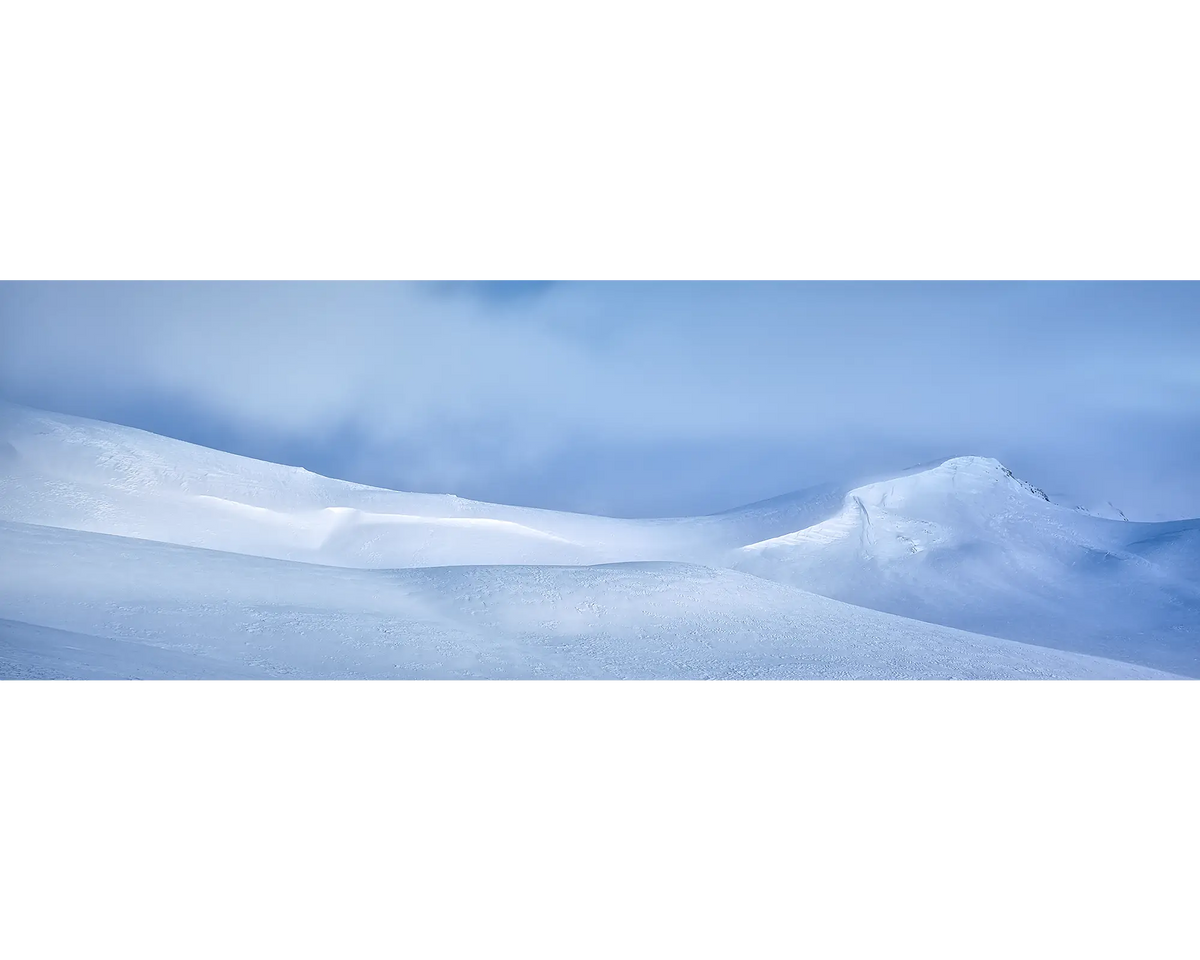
point(967, 544)
point(125, 554)
point(236, 615)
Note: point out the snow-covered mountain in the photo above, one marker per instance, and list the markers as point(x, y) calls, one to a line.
point(123, 553)
point(966, 543)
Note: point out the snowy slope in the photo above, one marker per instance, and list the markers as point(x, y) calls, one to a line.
point(81, 474)
point(960, 543)
point(967, 544)
point(1106, 511)
point(172, 610)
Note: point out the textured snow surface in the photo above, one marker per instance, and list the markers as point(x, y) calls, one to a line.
point(206, 613)
point(125, 554)
point(967, 544)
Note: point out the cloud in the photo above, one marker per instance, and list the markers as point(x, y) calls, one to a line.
point(495, 381)
point(495, 292)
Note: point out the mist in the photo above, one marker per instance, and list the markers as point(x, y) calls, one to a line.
point(636, 399)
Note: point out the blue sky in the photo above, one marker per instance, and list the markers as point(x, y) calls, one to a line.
point(634, 398)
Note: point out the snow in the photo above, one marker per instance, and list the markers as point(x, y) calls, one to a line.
point(1107, 510)
point(205, 613)
point(126, 554)
point(967, 544)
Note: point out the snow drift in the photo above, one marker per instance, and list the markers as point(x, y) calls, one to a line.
point(123, 553)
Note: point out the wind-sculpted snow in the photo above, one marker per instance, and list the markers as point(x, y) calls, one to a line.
point(82, 604)
point(84, 475)
point(109, 551)
point(969, 545)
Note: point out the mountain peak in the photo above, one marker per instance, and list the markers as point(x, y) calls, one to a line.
point(991, 469)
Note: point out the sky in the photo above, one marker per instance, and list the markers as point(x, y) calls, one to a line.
point(637, 399)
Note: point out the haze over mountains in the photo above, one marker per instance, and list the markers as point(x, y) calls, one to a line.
point(123, 553)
